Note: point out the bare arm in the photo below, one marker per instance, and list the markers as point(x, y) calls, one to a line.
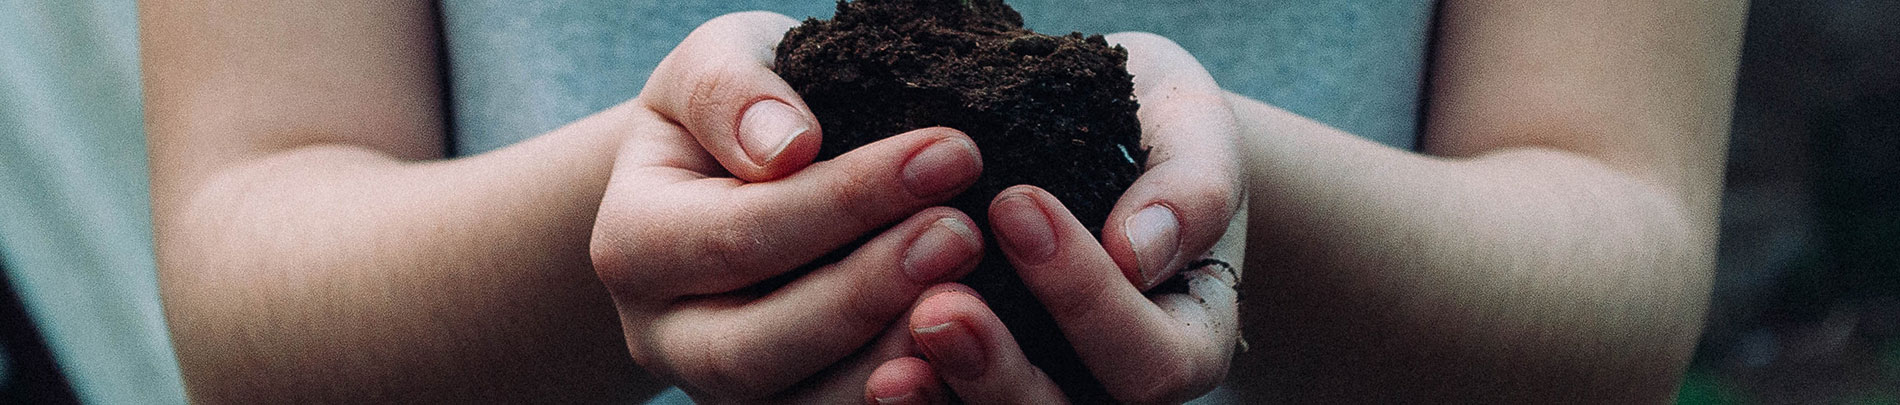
point(313, 245)
point(1556, 242)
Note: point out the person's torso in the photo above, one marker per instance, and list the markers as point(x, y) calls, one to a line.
point(518, 69)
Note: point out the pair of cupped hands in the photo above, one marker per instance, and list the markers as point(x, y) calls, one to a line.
point(714, 191)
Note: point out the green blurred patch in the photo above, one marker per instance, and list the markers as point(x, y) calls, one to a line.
point(1874, 398)
point(1890, 359)
point(1701, 386)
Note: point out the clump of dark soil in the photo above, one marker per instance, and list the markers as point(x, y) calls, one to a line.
point(1057, 112)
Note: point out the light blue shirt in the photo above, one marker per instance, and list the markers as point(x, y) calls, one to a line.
point(75, 223)
point(520, 68)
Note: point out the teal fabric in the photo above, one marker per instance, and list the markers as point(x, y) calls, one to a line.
point(75, 224)
point(518, 69)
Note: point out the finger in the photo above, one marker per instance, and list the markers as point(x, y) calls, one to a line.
point(1182, 204)
point(905, 381)
point(973, 352)
point(724, 235)
point(1168, 350)
point(718, 84)
point(849, 380)
point(846, 380)
point(760, 347)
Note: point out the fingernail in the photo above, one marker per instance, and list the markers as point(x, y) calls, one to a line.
point(1023, 228)
point(1154, 233)
point(907, 398)
point(946, 244)
point(767, 127)
point(941, 167)
point(952, 349)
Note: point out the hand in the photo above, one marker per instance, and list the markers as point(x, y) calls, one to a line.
point(692, 256)
point(1171, 346)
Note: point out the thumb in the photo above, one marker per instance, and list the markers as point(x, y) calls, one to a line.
point(717, 84)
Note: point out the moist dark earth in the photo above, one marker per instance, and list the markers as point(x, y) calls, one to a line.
point(1057, 112)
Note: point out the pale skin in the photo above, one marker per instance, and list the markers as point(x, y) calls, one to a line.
point(1553, 241)
point(305, 226)
point(1556, 237)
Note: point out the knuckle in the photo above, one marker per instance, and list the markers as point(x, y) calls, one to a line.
point(727, 248)
point(610, 264)
point(1146, 37)
point(711, 85)
point(718, 28)
point(724, 21)
point(1146, 42)
point(607, 257)
point(718, 368)
point(857, 197)
point(1212, 196)
point(865, 310)
point(1080, 302)
point(614, 255)
point(742, 20)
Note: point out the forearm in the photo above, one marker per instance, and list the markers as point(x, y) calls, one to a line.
point(335, 272)
point(312, 246)
point(1517, 274)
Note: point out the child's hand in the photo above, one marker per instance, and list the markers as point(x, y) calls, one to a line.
point(681, 244)
point(1167, 346)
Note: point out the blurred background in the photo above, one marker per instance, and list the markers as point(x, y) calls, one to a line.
point(1806, 307)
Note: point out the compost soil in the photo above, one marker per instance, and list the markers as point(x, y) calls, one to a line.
point(1057, 112)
